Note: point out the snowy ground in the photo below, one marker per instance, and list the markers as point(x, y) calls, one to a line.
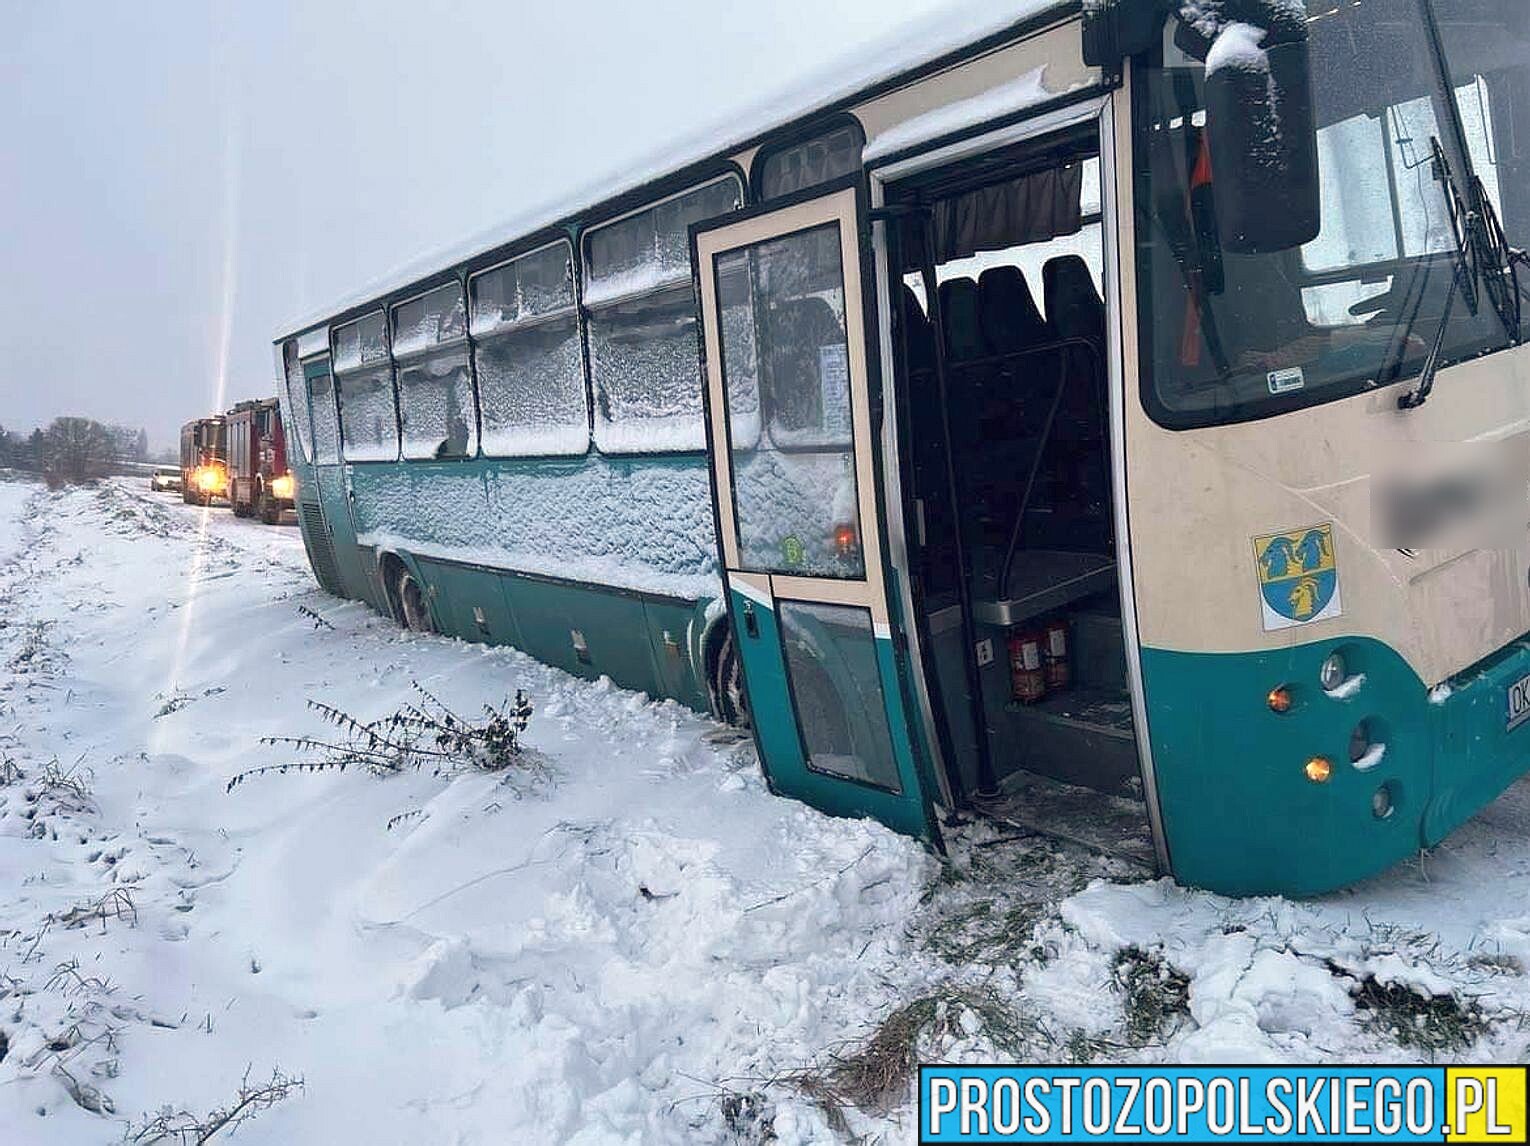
point(644, 946)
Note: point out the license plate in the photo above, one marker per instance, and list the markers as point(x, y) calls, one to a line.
point(1518, 708)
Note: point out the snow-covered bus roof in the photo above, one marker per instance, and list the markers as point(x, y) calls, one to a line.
point(955, 25)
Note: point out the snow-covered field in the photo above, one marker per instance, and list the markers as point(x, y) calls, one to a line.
point(641, 946)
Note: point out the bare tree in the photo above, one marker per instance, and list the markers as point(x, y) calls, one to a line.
point(76, 449)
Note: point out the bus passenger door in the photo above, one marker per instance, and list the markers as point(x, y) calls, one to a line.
point(334, 531)
point(789, 426)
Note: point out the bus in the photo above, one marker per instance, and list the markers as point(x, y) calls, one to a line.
point(204, 460)
point(1114, 426)
point(260, 482)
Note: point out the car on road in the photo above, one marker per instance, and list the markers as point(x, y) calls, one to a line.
point(166, 479)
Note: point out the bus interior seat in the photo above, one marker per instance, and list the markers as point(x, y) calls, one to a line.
point(959, 316)
point(1074, 307)
point(1011, 320)
point(1080, 472)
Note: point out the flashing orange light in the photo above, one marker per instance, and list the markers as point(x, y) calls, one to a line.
point(846, 540)
point(1318, 769)
point(1279, 699)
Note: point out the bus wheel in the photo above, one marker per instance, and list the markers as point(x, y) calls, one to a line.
point(411, 599)
point(270, 512)
point(728, 685)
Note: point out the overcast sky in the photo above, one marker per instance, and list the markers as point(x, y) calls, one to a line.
point(177, 180)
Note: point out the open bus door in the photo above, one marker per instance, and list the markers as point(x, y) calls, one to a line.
point(794, 478)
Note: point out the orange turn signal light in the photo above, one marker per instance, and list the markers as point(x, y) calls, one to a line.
point(1279, 699)
point(1318, 769)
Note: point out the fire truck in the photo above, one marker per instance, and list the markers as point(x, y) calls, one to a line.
point(204, 460)
point(259, 480)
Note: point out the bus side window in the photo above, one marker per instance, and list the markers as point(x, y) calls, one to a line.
point(641, 308)
point(527, 352)
point(326, 428)
point(295, 400)
point(438, 417)
point(364, 385)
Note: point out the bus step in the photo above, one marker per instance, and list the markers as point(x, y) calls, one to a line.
point(1111, 825)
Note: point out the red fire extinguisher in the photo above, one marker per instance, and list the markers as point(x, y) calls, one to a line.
point(1028, 682)
point(1054, 655)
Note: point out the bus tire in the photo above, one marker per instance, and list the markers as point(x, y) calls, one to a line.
point(728, 685)
point(270, 512)
point(412, 604)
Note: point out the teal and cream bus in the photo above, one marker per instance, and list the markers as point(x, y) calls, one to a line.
point(1116, 426)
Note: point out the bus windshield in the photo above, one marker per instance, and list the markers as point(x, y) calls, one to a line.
point(1229, 337)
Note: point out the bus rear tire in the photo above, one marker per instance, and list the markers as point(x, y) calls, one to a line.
point(728, 685)
point(412, 605)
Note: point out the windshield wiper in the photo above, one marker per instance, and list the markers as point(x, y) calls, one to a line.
point(1464, 224)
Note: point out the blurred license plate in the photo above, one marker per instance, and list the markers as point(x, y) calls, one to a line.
point(1519, 703)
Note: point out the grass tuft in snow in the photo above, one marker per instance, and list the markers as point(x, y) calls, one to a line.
point(417, 735)
point(1157, 997)
point(1416, 1019)
point(182, 1128)
point(874, 1075)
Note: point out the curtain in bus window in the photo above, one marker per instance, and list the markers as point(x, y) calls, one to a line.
point(531, 392)
point(644, 355)
point(786, 363)
point(1030, 209)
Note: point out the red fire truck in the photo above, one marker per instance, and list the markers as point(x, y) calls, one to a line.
point(204, 460)
point(259, 480)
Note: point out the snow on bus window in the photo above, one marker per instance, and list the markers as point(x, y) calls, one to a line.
point(295, 398)
point(435, 399)
point(531, 393)
point(794, 488)
point(534, 285)
point(361, 343)
point(531, 390)
point(326, 430)
point(433, 319)
point(642, 323)
point(437, 417)
point(368, 427)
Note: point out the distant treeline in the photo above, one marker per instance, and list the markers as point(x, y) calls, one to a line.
point(73, 449)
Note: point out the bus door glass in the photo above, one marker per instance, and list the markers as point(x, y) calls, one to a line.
point(793, 472)
point(330, 473)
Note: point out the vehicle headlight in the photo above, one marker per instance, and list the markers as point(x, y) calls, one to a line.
point(282, 487)
point(1333, 673)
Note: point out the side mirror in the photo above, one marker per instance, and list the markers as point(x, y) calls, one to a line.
point(1263, 138)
